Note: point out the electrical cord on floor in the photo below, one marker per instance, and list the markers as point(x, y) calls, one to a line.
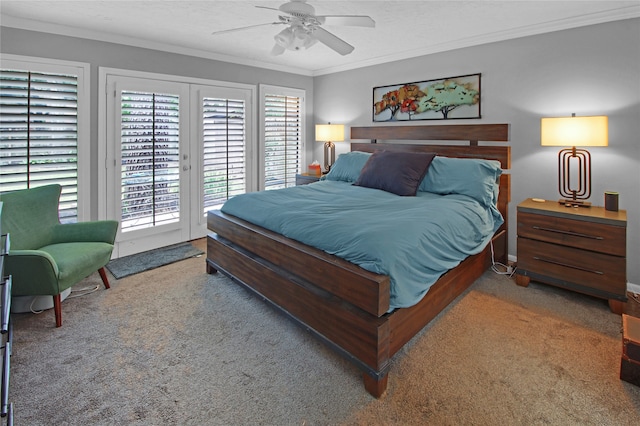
point(83, 291)
point(31, 307)
point(501, 268)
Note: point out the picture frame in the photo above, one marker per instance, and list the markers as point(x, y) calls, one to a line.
point(437, 99)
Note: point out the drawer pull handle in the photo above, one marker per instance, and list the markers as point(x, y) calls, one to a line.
point(566, 265)
point(573, 234)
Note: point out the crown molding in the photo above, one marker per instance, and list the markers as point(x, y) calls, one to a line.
point(625, 13)
point(63, 30)
point(619, 14)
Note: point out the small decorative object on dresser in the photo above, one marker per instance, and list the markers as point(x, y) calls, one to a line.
point(578, 249)
point(314, 169)
point(305, 179)
point(611, 201)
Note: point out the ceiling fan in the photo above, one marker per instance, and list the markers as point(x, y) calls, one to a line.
point(304, 28)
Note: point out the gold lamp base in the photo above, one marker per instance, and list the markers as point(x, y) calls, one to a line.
point(329, 155)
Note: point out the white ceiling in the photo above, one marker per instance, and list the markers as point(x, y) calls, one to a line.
point(403, 28)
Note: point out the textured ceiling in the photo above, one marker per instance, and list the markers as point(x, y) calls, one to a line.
point(403, 28)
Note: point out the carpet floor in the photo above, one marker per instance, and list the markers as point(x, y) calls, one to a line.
point(174, 345)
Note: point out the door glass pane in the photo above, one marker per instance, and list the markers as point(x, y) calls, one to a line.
point(150, 136)
point(224, 150)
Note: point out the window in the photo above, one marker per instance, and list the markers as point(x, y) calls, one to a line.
point(283, 130)
point(41, 125)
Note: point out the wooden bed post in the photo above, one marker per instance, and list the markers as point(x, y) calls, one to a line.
point(210, 268)
point(375, 387)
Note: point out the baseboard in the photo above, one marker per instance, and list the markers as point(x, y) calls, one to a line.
point(633, 288)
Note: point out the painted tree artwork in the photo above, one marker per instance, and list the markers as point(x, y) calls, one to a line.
point(442, 99)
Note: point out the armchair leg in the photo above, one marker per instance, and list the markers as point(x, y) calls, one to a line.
point(57, 299)
point(57, 308)
point(103, 275)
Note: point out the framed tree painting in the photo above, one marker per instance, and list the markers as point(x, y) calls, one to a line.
point(442, 99)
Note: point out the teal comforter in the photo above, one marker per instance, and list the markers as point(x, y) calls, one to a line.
point(413, 240)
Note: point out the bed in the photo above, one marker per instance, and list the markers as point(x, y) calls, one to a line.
point(346, 306)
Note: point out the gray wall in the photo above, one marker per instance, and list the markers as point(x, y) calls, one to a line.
point(592, 70)
point(102, 54)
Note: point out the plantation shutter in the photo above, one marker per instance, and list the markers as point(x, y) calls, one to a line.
point(224, 150)
point(150, 136)
point(39, 134)
point(282, 140)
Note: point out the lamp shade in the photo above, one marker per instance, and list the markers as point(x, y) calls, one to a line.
point(330, 132)
point(575, 131)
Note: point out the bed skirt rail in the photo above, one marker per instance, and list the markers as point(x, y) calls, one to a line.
point(365, 342)
point(366, 290)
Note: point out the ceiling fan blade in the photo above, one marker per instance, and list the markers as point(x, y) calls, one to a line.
point(233, 30)
point(270, 8)
point(332, 41)
point(348, 20)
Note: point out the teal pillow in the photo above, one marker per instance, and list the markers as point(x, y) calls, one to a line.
point(348, 166)
point(467, 176)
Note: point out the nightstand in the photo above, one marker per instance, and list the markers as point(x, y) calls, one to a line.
point(305, 179)
point(582, 249)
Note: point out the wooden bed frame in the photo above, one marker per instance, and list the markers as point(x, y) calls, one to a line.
point(343, 304)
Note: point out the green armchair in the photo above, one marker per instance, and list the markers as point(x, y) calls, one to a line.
point(47, 257)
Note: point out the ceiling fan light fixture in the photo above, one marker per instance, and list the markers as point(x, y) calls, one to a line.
point(294, 38)
point(310, 41)
point(284, 38)
point(277, 50)
point(302, 38)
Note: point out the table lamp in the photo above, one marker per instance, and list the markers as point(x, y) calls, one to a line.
point(329, 133)
point(574, 131)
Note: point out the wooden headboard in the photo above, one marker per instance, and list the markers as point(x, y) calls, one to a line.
point(461, 132)
point(472, 134)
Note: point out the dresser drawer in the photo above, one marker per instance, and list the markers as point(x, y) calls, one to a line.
point(581, 234)
point(584, 269)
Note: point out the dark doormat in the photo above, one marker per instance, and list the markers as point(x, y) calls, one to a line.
point(151, 259)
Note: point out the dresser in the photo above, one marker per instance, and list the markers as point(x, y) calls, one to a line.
point(6, 408)
point(305, 179)
point(581, 249)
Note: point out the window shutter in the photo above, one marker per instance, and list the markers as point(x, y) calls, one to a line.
point(282, 140)
point(39, 134)
point(150, 136)
point(224, 150)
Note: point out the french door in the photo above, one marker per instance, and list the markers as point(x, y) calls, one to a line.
point(173, 151)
